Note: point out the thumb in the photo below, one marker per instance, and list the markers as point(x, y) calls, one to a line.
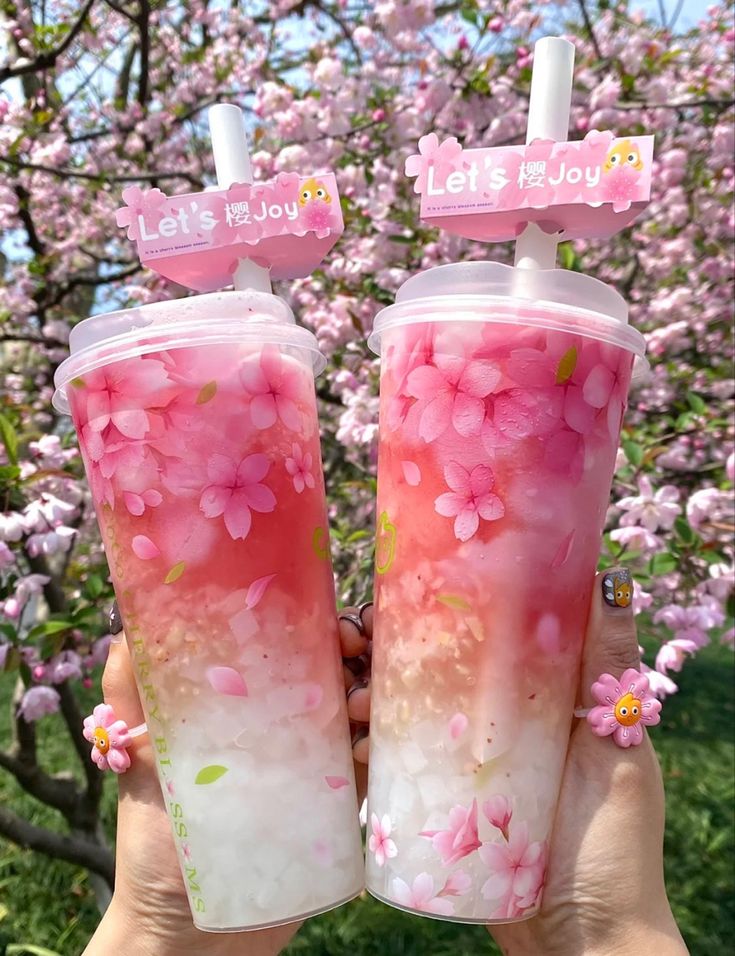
point(611, 642)
point(121, 693)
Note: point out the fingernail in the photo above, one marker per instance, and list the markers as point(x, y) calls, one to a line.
point(358, 665)
point(116, 624)
point(363, 607)
point(360, 734)
point(353, 619)
point(358, 685)
point(617, 588)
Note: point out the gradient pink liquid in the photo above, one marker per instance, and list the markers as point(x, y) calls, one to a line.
point(205, 470)
point(497, 449)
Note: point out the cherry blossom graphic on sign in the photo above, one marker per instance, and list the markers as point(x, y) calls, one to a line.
point(421, 896)
point(516, 870)
point(139, 202)
point(625, 705)
point(620, 186)
point(451, 393)
point(235, 489)
point(470, 499)
point(227, 681)
point(443, 158)
point(380, 843)
point(460, 838)
point(299, 466)
point(273, 391)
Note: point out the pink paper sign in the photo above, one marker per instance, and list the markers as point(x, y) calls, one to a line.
point(591, 188)
point(197, 239)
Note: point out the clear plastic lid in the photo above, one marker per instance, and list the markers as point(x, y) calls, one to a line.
point(493, 292)
point(244, 317)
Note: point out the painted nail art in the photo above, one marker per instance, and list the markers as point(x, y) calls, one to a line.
point(116, 624)
point(360, 734)
point(617, 588)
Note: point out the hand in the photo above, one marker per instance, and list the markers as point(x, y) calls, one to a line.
point(149, 907)
point(605, 890)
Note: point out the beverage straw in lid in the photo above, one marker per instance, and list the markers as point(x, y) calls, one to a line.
point(232, 163)
point(548, 118)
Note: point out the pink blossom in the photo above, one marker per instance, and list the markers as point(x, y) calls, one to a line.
point(234, 489)
point(66, 665)
point(672, 655)
point(460, 838)
point(637, 538)
point(470, 499)
point(421, 896)
point(498, 812)
point(690, 623)
point(625, 705)
point(380, 843)
point(137, 503)
point(273, 390)
point(661, 684)
point(442, 158)
point(109, 738)
point(299, 467)
point(6, 556)
point(451, 392)
point(652, 510)
point(516, 869)
point(458, 883)
point(117, 394)
point(39, 701)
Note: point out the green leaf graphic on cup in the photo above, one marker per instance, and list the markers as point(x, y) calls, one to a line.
point(567, 365)
point(207, 393)
point(175, 573)
point(385, 543)
point(210, 774)
point(319, 543)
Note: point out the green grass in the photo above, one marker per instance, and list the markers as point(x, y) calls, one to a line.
point(51, 904)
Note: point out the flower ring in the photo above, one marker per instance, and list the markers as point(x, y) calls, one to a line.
point(625, 706)
point(110, 738)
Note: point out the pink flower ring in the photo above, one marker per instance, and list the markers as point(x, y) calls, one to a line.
point(110, 738)
point(625, 706)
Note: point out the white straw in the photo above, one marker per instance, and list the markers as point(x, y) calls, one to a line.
point(548, 118)
point(232, 163)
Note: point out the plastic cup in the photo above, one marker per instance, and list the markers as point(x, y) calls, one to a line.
point(501, 400)
point(198, 428)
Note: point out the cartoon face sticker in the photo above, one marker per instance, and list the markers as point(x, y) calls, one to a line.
point(313, 190)
point(625, 153)
point(628, 710)
point(617, 589)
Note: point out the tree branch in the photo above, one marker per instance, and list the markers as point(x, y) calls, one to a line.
point(93, 856)
point(142, 22)
point(589, 29)
point(49, 58)
point(73, 719)
point(102, 176)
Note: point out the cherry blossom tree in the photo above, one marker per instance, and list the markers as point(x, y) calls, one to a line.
point(111, 93)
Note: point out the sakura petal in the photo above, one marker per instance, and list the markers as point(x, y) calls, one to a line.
point(221, 470)
point(563, 551)
point(336, 783)
point(258, 497)
point(449, 504)
point(252, 469)
point(424, 382)
point(314, 697)
point(479, 379)
point(436, 417)
point(118, 760)
point(598, 386)
point(468, 414)
point(237, 517)
point(466, 524)
point(144, 548)
point(491, 508)
point(458, 479)
point(481, 480)
point(411, 472)
point(134, 503)
point(578, 414)
point(152, 498)
point(214, 501)
point(228, 681)
point(288, 413)
point(457, 725)
point(257, 589)
point(263, 411)
point(132, 422)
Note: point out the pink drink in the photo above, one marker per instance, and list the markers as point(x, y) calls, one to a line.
point(500, 421)
point(204, 464)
